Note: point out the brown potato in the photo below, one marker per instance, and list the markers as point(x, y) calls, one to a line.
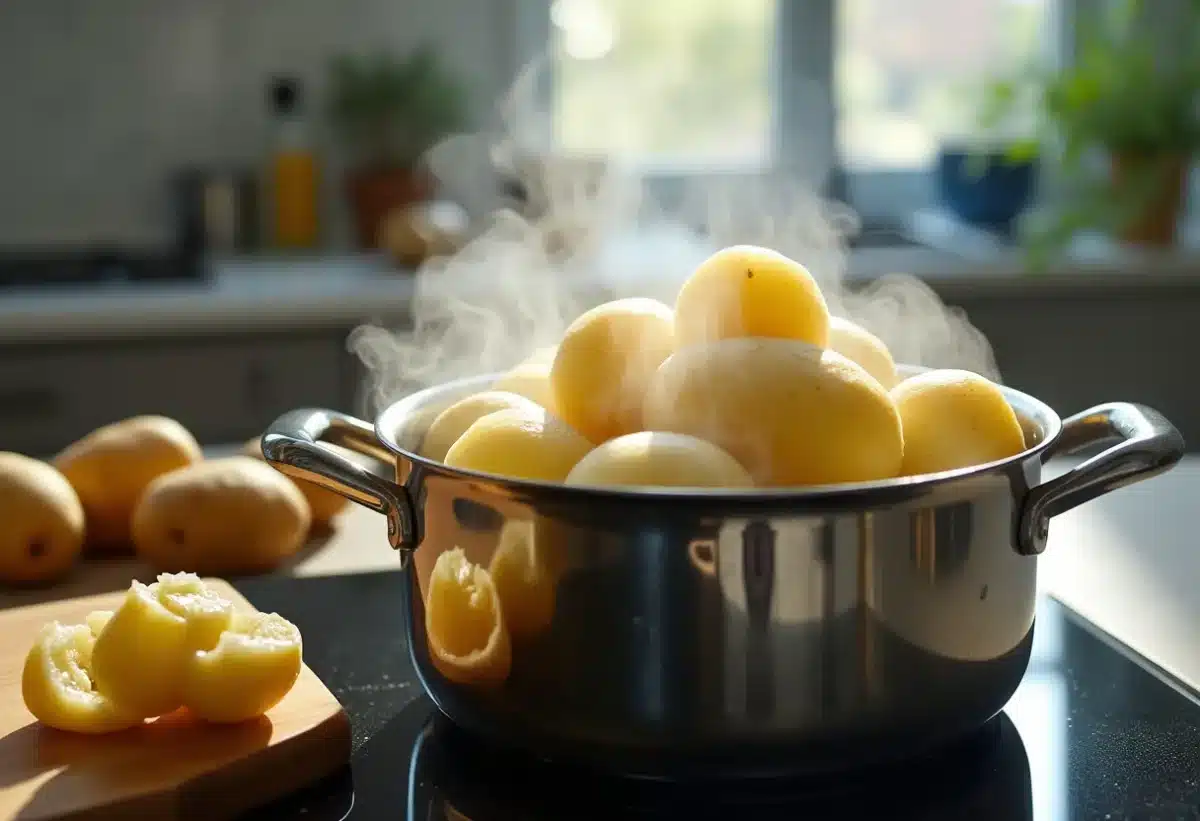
point(325, 504)
point(222, 517)
point(111, 466)
point(42, 521)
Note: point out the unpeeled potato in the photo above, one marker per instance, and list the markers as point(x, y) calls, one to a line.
point(41, 521)
point(324, 504)
point(747, 291)
point(604, 362)
point(221, 517)
point(111, 467)
point(791, 413)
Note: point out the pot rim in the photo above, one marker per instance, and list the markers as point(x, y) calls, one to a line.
point(855, 494)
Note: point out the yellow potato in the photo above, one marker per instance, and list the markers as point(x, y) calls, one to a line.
point(206, 612)
point(454, 420)
point(254, 664)
point(57, 686)
point(861, 346)
point(791, 413)
point(659, 459)
point(954, 419)
point(41, 521)
point(531, 380)
point(604, 362)
point(139, 656)
point(468, 638)
point(111, 467)
point(324, 504)
point(519, 442)
point(746, 291)
point(221, 517)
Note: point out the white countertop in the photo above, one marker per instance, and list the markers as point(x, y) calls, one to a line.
point(1129, 562)
point(238, 296)
point(341, 291)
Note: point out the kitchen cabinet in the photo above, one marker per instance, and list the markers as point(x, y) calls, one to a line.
point(223, 388)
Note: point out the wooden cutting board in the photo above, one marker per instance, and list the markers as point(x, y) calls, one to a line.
point(171, 769)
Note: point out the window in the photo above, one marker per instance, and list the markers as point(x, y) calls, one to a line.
point(668, 82)
point(903, 72)
point(869, 87)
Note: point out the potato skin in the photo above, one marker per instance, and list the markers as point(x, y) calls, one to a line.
point(111, 467)
point(324, 504)
point(227, 516)
point(41, 522)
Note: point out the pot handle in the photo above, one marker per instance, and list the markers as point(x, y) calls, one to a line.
point(1143, 444)
point(292, 444)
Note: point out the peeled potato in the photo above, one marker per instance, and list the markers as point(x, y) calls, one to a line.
point(221, 517)
point(468, 638)
point(531, 380)
point(604, 362)
point(954, 419)
point(251, 666)
point(139, 656)
point(864, 348)
point(525, 443)
point(747, 291)
point(324, 504)
point(659, 459)
point(57, 686)
point(791, 413)
point(111, 467)
point(454, 420)
point(41, 534)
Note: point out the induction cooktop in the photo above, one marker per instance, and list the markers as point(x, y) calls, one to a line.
point(1093, 732)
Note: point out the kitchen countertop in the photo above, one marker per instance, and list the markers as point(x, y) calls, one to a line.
point(256, 294)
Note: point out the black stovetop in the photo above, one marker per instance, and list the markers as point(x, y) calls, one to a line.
point(1091, 734)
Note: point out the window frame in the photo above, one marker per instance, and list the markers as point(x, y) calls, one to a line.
point(805, 59)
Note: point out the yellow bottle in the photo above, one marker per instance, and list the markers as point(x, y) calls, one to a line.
point(294, 172)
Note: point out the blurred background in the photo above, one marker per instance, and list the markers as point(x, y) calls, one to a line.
point(200, 199)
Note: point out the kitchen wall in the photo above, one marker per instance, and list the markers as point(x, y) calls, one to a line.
point(101, 100)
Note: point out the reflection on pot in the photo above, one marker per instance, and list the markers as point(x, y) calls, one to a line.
point(786, 592)
point(953, 593)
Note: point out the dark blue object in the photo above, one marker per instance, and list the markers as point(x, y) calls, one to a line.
point(985, 189)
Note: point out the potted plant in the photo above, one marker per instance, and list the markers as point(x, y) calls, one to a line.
point(986, 177)
point(1132, 105)
point(390, 111)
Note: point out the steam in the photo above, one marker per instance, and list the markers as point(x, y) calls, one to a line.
point(595, 234)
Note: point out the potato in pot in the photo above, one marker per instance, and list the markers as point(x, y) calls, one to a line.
point(791, 413)
point(227, 516)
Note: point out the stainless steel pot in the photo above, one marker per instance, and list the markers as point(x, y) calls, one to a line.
point(724, 632)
